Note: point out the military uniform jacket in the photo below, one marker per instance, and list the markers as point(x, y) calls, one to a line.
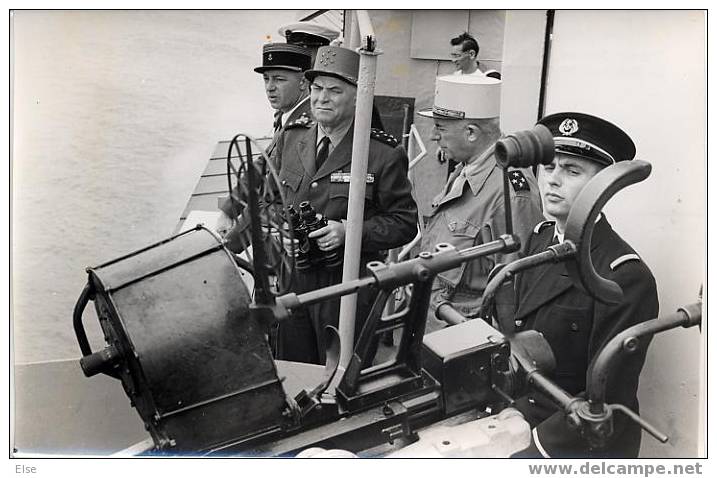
point(390, 218)
point(577, 326)
point(473, 215)
point(390, 213)
point(301, 115)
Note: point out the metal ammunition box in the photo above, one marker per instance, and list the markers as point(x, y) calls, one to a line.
point(462, 358)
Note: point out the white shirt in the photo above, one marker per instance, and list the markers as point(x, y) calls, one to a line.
point(561, 236)
point(475, 73)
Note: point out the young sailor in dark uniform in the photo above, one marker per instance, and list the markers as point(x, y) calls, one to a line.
point(314, 163)
point(576, 325)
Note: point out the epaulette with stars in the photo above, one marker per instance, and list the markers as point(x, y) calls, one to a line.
point(303, 121)
point(383, 137)
point(518, 181)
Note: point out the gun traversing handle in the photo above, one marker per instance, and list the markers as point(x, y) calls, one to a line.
point(648, 427)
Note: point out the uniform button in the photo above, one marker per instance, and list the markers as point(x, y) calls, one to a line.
point(452, 226)
point(574, 327)
point(314, 184)
point(283, 182)
point(518, 323)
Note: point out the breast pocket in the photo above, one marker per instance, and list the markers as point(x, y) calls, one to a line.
point(461, 234)
point(290, 182)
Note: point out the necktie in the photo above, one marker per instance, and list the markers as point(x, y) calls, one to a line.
point(322, 151)
point(277, 121)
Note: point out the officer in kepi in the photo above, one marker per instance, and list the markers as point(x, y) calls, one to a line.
point(312, 36)
point(470, 209)
point(314, 163)
point(283, 66)
point(576, 325)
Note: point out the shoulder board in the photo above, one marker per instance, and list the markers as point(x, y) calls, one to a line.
point(518, 181)
point(623, 259)
point(383, 137)
point(542, 225)
point(302, 121)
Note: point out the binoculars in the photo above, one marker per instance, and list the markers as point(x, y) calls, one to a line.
point(308, 254)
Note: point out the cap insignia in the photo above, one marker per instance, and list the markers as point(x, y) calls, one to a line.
point(327, 57)
point(568, 127)
point(269, 58)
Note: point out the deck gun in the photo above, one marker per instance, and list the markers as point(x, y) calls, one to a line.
point(190, 346)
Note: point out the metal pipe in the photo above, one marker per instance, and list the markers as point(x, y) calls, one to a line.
point(547, 387)
point(320, 295)
point(555, 253)
point(506, 203)
point(365, 29)
point(261, 274)
point(448, 314)
point(626, 342)
point(412, 149)
point(648, 427)
point(355, 37)
point(405, 250)
point(82, 301)
point(357, 188)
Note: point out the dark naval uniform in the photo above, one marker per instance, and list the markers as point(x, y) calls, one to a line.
point(577, 326)
point(390, 218)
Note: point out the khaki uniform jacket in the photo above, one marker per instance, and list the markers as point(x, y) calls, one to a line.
point(473, 215)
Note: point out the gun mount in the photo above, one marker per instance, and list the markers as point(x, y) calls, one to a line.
point(190, 346)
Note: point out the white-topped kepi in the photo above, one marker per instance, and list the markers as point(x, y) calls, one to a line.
point(465, 97)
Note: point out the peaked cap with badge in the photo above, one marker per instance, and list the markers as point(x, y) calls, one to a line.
point(284, 56)
point(589, 137)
